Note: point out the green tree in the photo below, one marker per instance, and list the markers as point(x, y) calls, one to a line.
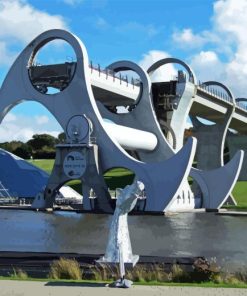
point(23, 151)
point(38, 142)
point(61, 137)
point(11, 146)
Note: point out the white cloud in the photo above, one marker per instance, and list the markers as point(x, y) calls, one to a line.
point(21, 22)
point(207, 66)
point(10, 117)
point(41, 119)
point(6, 55)
point(186, 38)
point(230, 17)
point(222, 50)
point(22, 128)
point(230, 21)
point(164, 73)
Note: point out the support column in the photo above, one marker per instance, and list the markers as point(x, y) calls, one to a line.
point(234, 143)
point(211, 142)
point(76, 162)
point(173, 118)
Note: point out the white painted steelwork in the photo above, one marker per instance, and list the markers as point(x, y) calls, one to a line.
point(130, 138)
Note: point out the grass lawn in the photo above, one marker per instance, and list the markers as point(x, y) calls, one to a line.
point(116, 178)
point(120, 177)
point(44, 164)
point(240, 194)
point(140, 283)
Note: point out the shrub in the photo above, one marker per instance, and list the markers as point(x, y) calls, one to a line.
point(232, 280)
point(216, 278)
point(23, 151)
point(178, 274)
point(204, 271)
point(19, 274)
point(65, 269)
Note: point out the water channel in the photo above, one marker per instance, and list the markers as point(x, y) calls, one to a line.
point(185, 234)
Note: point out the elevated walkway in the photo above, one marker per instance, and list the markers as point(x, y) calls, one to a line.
point(107, 87)
point(117, 90)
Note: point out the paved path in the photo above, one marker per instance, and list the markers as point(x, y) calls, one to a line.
point(26, 288)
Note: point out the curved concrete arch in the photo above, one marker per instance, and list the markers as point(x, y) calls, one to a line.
point(176, 119)
point(211, 143)
point(13, 92)
point(196, 122)
point(186, 92)
point(143, 117)
point(62, 105)
point(214, 196)
point(162, 179)
point(213, 136)
point(239, 141)
point(165, 61)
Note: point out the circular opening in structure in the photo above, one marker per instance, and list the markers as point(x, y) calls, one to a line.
point(167, 132)
point(117, 179)
point(167, 89)
point(194, 197)
point(124, 93)
point(70, 194)
point(52, 67)
point(205, 121)
point(30, 133)
point(170, 72)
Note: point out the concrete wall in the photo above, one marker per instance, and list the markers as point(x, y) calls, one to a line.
point(234, 143)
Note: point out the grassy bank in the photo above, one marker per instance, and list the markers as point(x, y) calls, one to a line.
point(120, 177)
point(153, 283)
point(202, 275)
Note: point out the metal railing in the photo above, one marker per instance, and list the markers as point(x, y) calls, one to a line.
point(219, 95)
point(242, 106)
point(5, 197)
point(214, 92)
point(115, 76)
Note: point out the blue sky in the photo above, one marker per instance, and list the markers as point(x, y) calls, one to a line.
point(116, 29)
point(209, 35)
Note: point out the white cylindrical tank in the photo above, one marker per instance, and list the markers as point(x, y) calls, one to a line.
point(130, 138)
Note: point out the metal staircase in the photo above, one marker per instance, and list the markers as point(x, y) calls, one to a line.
point(4, 192)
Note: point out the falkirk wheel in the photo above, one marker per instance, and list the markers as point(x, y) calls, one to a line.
point(98, 140)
